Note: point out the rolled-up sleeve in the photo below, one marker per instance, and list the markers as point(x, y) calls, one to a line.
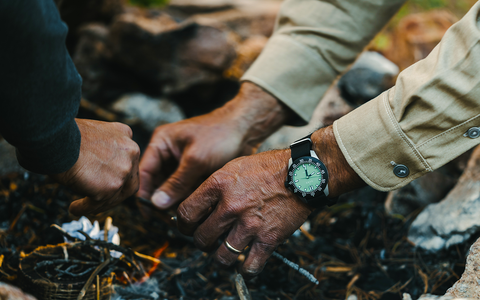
point(315, 41)
point(423, 122)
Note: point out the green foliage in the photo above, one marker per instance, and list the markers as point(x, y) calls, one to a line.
point(148, 3)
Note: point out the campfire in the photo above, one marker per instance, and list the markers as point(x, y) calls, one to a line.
point(353, 248)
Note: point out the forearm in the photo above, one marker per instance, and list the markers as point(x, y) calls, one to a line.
point(420, 123)
point(257, 113)
point(314, 42)
point(40, 88)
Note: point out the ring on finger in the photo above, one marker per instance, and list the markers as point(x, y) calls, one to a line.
point(231, 248)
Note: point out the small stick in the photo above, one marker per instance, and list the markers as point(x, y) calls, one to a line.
point(83, 292)
point(296, 267)
point(154, 260)
point(242, 289)
point(98, 287)
point(106, 228)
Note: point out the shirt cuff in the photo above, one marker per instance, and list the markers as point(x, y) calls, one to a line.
point(56, 155)
point(372, 142)
point(293, 73)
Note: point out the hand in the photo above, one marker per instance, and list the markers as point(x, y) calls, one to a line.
point(107, 168)
point(182, 155)
point(247, 198)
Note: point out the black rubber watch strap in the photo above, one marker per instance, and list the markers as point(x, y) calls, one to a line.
point(301, 147)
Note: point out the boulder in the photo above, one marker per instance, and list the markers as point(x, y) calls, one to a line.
point(370, 75)
point(172, 56)
point(455, 218)
point(148, 112)
point(90, 58)
point(76, 13)
point(248, 17)
point(468, 286)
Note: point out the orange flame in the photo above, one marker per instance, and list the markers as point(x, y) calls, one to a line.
point(156, 254)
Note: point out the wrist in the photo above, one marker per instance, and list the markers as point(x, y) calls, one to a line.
point(342, 178)
point(256, 113)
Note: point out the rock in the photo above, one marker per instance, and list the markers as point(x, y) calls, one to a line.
point(9, 292)
point(416, 35)
point(8, 160)
point(433, 297)
point(248, 17)
point(76, 13)
point(428, 189)
point(148, 112)
point(455, 218)
point(247, 53)
point(369, 76)
point(468, 286)
point(90, 58)
point(169, 55)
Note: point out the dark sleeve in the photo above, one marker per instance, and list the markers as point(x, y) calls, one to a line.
point(40, 89)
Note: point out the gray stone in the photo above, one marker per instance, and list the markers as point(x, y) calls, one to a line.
point(455, 218)
point(8, 159)
point(369, 77)
point(148, 112)
point(468, 286)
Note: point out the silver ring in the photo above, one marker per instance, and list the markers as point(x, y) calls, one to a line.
point(232, 248)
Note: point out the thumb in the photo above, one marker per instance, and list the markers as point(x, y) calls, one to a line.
point(178, 186)
point(84, 206)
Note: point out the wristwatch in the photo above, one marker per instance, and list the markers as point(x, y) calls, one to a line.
point(307, 175)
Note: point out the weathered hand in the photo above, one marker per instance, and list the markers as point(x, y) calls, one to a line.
point(247, 198)
point(107, 168)
point(182, 155)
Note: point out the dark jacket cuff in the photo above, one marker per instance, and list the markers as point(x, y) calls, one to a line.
point(56, 155)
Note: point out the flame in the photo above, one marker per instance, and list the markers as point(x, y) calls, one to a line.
point(156, 254)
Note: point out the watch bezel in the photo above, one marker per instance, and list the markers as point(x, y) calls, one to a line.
point(323, 184)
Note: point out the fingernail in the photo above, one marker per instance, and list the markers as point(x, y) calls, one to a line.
point(161, 199)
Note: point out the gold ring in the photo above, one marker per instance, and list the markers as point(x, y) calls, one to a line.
point(232, 248)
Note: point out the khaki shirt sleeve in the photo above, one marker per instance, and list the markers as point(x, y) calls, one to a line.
point(314, 42)
point(422, 121)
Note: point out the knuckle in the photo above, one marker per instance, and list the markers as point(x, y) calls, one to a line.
point(200, 241)
point(114, 185)
point(223, 260)
point(176, 183)
point(268, 247)
point(183, 214)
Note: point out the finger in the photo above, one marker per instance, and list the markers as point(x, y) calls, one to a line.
point(132, 184)
point(179, 185)
point(151, 171)
point(205, 236)
point(198, 206)
point(257, 258)
point(84, 206)
point(92, 205)
point(238, 238)
point(125, 129)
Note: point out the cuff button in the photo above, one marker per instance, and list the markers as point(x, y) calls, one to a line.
point(401, 171)
point(473, 132)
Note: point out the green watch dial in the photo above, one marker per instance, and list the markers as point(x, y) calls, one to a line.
point(307, 177)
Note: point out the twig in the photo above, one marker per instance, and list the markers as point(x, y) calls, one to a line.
point(92, 277)
point(296, 268)
point(242, 289)
point(98, 287)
